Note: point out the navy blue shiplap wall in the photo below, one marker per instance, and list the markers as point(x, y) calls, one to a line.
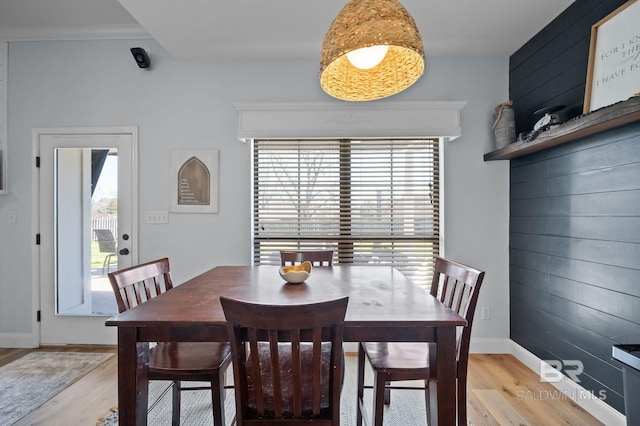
point(575, 254)
point(575, 215)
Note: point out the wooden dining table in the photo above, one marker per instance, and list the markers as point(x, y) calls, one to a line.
point(384, 305)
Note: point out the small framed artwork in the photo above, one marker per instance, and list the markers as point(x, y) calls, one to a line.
point(194, 181)
point(613, 73)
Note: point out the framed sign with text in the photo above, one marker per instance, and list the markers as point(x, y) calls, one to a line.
point(194, 181)
point(613, 73)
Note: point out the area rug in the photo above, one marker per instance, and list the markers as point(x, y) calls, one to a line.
point(31, 380)
point(407, 407)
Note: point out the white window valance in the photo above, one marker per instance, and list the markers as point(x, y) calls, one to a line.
point(349, 120)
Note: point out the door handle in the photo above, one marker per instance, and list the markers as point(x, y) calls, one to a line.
point(124, 251)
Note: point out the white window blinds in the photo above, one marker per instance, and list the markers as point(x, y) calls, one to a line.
point(371, 201)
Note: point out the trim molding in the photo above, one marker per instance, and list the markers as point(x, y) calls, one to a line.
point(92, 32)
point(349, 120)
point(597, 408)
point(490, 346)
point(18, 340)
point(4, 174)
point(36, 134)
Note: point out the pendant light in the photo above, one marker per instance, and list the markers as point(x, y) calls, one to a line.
point(372, 50)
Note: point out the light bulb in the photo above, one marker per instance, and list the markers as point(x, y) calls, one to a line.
point(367, 57)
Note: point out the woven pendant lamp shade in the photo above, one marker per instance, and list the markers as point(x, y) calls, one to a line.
point(364, 23)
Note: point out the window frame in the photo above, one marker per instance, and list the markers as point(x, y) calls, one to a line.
point(344, 246)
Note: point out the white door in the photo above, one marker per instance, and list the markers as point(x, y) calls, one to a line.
point(87, 190)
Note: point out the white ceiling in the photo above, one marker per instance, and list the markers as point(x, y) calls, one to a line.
point(205, 29)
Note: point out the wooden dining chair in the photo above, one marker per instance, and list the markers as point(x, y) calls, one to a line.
point(288, 361)
point(455, 285)
point(174, 361)
point(317, 257)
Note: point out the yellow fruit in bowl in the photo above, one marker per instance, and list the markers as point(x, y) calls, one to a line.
point(297, 273)
point(305, 266)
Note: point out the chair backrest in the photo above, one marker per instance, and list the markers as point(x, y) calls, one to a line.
point(137, 284)
point(294, 365)
point(457, 286)
point(320, 257)
point(106, 240)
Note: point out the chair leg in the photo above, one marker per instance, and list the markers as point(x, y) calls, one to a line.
point(387, 396)
point(360, 402)
point(462, 402)
point(427, 403)
point(107, 262)
point(175, 414)
point(217, 399)
point(378, 398)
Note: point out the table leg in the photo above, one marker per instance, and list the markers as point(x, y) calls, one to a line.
point(443, 389)
point(133, 359)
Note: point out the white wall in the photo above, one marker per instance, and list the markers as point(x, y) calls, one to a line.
point(190, 105)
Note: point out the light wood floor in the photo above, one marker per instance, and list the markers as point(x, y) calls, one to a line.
point(501, 391)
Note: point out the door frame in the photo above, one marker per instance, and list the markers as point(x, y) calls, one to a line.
point(36, 133)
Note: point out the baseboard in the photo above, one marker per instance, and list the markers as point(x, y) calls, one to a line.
point(490, 346)
point(350, 347)
point(17, 340)
point(594, 406)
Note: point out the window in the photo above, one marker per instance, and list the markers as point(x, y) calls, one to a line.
point(372, 201)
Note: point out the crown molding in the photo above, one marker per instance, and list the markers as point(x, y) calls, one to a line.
point(89, 32)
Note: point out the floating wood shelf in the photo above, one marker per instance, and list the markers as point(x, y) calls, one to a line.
point(610, 117)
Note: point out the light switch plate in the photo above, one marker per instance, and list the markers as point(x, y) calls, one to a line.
point(485, 313)
point(158, 216)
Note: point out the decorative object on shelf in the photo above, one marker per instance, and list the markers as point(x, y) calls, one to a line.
point(545, 123)
point(600, 120)
point(504, 125)
point(382, 29)
point(194, 181)
point(613, 72)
